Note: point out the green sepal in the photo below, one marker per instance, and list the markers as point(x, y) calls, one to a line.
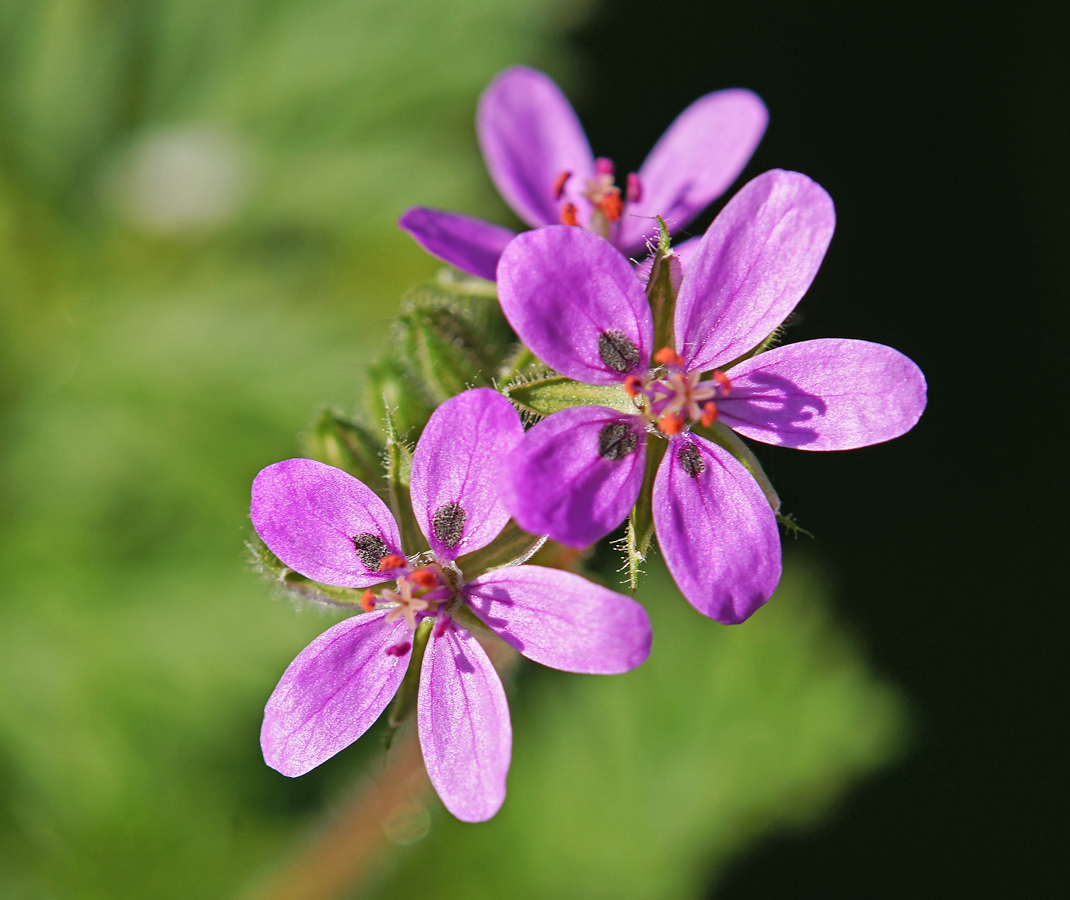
point(449, 342)
point(398, 474)
point(404, 704)
point(788, 523)
point(388, 387)
point(296, 583)
point(662, 288)
point(641, 521)
point(511, 547)
point(471, 623)
point(519, 364)
point(725, 437)
point(348, 445)
point(553, 393)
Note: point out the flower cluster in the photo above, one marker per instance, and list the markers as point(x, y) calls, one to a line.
point(646, 377)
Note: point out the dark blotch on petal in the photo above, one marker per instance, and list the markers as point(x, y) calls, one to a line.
point(370, 549)
point(448, 522)
point(691, 460)
point(616, 440)
point(617, 352)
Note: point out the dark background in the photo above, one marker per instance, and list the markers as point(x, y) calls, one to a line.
point(941, 133)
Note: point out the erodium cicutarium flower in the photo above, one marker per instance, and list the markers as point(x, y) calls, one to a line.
point(538, 155)
point(328, 526)
point(578, 306)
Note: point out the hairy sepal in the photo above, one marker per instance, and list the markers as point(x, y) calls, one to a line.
point(552, 393)
point(347, 445)
point(511, 547)
point(299, 585)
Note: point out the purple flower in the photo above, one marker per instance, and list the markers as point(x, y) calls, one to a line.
point(576, 304)
point(330, 527)
point(541, 163)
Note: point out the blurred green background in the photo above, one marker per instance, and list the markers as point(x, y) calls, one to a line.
point(197, 250)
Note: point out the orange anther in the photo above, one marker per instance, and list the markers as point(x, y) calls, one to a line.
point(568, 214)
point(612, 206)
point(559, 185)
point(367, 601)
point(633, 386)
point(671, 424)
point(391, 561)
point(723, 380)
point(709, 414)
point(424, 578)
point(666, 356)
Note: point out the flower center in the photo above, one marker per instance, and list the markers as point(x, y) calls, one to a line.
point(677, 398)
point(604, 197)
point(421, 592)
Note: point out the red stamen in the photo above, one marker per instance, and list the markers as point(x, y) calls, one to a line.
point(633, 386)
point(391, 561)
point(568, 214)
point(367, 601)
point(635, 188)
point(424, 578)
point(722, 380)
point(666, 356)
point(671, 424)
point(603, 166)
point(559, 184)
point(611, 205)
point(709, 414)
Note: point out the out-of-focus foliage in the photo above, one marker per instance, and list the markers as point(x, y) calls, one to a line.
point(196, 248)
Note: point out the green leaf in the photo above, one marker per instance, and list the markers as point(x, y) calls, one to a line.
point(398, 474)
point(296, 583)
point(553, 393)
point(512, 546)
point(449, 343)
point(388, 389)
point(404, 704)
point(641, 521)
point(662, 288)
point(347, 445)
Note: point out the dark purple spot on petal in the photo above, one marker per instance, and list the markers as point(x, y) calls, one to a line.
point(370, 550)
point(617, 351)
point(616, 440)
point(448, 523)
point(691, 460)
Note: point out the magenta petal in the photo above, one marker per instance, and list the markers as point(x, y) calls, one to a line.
point(558, 483)
point(465, 733)
point(332, 692)
point(566, 292)
point(828, 394)
point(695, 161)
point(716, 530)
point(455, 471)
point(472, 245)
point(562, 620)
point(530, 135)
point(323, 523)
point(755, 263)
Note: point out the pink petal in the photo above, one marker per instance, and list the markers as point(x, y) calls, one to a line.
point(829, 394)
point(755, 263)
point(323, 523)
point(455, 471)
point(695, 161)
point(332, 693)
point(530, 135)
point(465, 733)
point(562, 620)
point(472, 245)
point(716, 530)
point(558, 483)
point(566, 292)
